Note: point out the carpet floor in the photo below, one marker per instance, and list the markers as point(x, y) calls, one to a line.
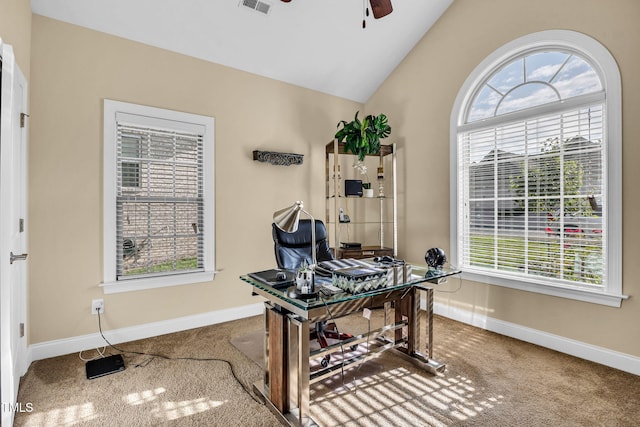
point(490, 380)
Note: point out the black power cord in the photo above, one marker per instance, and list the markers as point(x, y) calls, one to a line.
point(451, 291)
point(162, 356)
point(321, 294)
point(355, 375)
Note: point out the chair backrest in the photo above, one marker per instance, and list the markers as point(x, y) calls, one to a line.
point(292, 249)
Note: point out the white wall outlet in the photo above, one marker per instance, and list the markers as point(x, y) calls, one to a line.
point(97, 306)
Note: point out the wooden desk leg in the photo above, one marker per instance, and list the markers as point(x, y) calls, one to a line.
point(406, 311)
point(413, 313)
point(277, 359)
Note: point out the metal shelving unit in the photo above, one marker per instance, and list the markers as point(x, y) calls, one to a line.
point(373, 220)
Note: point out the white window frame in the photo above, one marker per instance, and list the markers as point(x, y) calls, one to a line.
point(609, 74)
point(110, 284)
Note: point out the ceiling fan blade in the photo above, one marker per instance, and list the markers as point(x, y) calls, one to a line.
point(381, 8)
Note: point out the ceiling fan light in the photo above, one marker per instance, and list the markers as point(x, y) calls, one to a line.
point(257, 5)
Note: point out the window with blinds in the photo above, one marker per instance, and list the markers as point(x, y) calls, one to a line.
point(160, 201)
point(158, 198)
point(533, 152)
point(532, 197)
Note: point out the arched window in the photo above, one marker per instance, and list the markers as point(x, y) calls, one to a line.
point(536, 181)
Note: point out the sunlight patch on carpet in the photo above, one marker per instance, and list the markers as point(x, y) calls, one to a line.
point(144, 396)
point(69, 416)
point(400, 397)
point(174, 410)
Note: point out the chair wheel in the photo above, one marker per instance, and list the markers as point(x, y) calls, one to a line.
point(354, 347)
point(325, 361)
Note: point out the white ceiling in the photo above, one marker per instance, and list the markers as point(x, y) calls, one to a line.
point(316, 44)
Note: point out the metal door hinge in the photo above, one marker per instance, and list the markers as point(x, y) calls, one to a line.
point(21, 225)
point(22, 117)
point(21, 330)
point(13, 257)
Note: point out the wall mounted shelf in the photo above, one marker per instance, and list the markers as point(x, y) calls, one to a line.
point(278, 159)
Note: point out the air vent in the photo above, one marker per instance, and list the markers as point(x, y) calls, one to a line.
point(257, 5)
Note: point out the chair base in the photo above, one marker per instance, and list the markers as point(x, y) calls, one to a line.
point(324, 330)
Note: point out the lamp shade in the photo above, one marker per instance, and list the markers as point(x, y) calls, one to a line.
point(287, 219)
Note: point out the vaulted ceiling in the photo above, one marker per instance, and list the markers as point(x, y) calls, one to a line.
point(316, 44)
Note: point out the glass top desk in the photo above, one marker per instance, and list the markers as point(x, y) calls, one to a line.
point(287, 375)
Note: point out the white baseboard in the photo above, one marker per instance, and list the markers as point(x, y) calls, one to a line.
point(55, 348)
point(604, 356)
point(601, 355)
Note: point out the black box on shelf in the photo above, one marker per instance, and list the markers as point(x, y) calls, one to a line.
point(353, 187)
point(351, 245)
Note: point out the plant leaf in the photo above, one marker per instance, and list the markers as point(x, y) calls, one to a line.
point(363, 137)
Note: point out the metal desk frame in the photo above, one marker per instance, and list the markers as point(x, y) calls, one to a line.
point(287, 375)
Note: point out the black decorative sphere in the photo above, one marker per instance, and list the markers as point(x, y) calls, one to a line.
point(435, 257)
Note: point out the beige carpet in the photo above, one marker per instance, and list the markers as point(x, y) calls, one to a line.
point(490, 380)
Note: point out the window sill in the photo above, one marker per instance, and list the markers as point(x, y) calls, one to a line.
point(586, 295)
point(156, 282)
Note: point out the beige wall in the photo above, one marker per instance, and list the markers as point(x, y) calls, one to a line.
point(15, 29)
point(418, 98)
point(74, 69)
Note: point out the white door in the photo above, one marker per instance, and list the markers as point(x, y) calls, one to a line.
point(13, 240)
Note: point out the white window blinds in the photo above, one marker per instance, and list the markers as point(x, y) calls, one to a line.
point(532, 197)
point(160, 200)
point(536, 151)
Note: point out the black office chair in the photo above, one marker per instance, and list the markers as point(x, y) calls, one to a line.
point(291, 250)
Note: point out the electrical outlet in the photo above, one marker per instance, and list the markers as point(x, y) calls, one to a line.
point(97, 306)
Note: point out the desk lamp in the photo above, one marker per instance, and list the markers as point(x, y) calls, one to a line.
point(287, 220)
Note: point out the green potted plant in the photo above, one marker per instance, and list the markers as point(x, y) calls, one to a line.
point(363, 137)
